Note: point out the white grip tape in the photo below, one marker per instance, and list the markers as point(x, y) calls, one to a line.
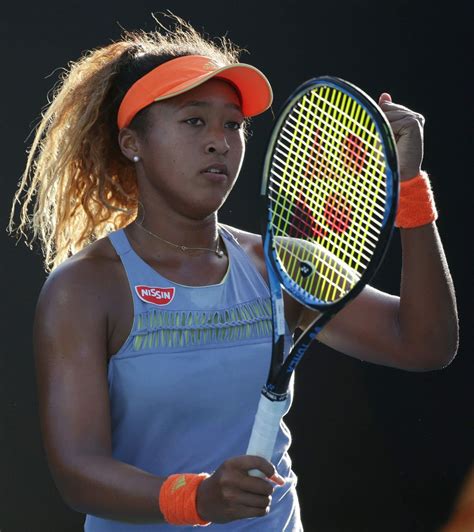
point(280, 316)
point(265, 430)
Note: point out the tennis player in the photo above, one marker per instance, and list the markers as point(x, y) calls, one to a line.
point(153, 330)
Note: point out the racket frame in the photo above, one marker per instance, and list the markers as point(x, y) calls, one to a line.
point(280, 370)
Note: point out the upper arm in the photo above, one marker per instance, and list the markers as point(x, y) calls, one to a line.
point(70, 342)
point(366, 328)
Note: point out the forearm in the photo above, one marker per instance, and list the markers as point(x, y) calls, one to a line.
point(107, 488)
point(111, 489)
point(427, 316)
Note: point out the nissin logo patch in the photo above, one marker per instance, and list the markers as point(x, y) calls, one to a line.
point(155, 294)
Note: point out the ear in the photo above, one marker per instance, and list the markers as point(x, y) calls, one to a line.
point(129, 143)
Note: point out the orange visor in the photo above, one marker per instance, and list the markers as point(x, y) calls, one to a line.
point(183, 74)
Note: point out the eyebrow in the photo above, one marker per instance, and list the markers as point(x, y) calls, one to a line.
point(200, 103)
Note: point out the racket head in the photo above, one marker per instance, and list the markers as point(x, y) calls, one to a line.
point(330, 182)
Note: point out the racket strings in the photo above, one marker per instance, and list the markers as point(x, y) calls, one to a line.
point(356, 146)
point(327, 187)
point(306, 224)
point(337, 110)
point(335, 223)
point(342, 211)
point(340, 227)
point(362, 186)
point(295, 199)
point(330, 186)
point(340, 164)
point(351, 136)
point(293, 249)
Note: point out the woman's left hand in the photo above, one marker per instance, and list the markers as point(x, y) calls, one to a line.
point(407, 127)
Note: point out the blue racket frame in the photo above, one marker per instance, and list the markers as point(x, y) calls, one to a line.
point(280, 369)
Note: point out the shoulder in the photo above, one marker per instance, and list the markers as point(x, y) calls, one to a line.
point(85, 278)
point(251, 243)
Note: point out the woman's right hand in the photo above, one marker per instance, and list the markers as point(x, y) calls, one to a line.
point(230, 493)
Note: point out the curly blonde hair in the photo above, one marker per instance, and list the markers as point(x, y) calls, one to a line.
point(77, 186)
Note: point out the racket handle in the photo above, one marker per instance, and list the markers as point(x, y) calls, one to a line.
point(265, 430)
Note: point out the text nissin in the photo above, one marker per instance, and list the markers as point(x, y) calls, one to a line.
point(156, 295)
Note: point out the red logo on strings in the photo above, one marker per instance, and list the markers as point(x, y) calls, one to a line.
point(337, 217)
point(337, 213)
point(353, 152)
point(155, 295)
point(303, 223)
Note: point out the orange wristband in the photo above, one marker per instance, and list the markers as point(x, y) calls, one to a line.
point(416, 204)
point(177, 499)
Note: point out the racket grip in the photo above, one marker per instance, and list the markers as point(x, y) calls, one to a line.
point(265, 430)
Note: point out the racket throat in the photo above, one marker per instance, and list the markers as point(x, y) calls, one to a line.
point(278, 348)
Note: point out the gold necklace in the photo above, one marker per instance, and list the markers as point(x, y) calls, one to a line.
point(217, 251)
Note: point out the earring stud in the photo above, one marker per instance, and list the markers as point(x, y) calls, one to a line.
point(136, 158)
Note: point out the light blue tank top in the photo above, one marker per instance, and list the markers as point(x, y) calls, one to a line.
point(185, 386)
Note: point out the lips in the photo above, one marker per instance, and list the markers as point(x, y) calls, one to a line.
point(216, 168)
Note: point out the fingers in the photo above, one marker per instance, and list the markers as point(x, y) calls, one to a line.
point(384, 97)
point(261, 469)
point(256, 485)
point(277, 479)
point(406, 125)
point(231, 493)
point(402, 112)
point(248, 462)
point(409, 118)
point(395, 111)
point(402, 120)
point(247, 511)
point(243, 499)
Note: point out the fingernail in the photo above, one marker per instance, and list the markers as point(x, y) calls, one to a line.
point(277, 479)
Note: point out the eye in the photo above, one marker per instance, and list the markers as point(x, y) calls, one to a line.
point(234, 125)
point(194, 121)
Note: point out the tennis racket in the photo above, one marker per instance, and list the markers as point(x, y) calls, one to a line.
point(330, 184)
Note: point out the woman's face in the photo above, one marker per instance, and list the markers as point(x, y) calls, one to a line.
point(193, 149)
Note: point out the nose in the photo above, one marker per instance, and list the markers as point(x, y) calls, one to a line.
point(217, 143)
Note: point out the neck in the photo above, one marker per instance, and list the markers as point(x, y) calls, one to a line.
point(185, 249)
point(178, 228)
point(191, 237)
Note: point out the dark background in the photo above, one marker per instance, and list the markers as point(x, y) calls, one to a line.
point(376, 449)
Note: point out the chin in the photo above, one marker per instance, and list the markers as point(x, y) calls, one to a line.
point(201, 212)
point(207, 206)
